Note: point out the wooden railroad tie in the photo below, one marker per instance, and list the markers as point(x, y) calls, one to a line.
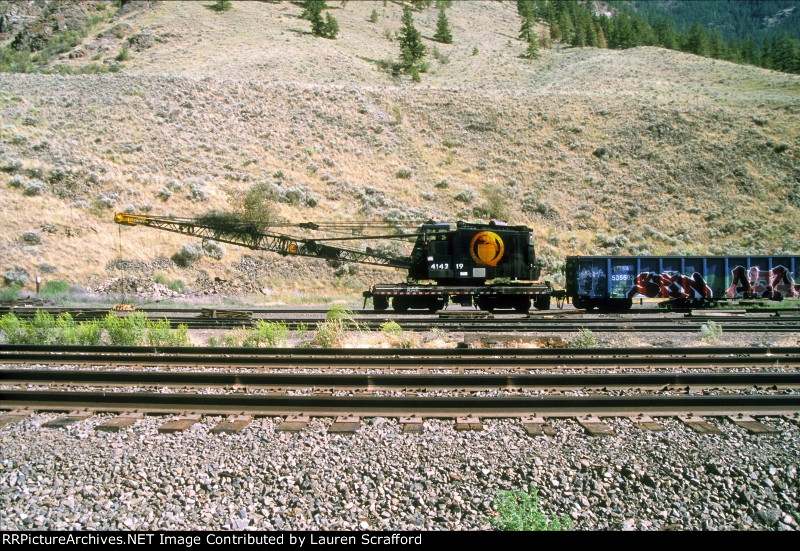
point(645, 422)
point(347, 424)
point(180, 424)
point(412, 424)
point(14, 416)
point(120, 422)
point(233, 424)
point(537, 426)
point(751, 425)
point(468, 422)
point(698, 424)
point(594, 426)
point(293, 423)
point(71, 418)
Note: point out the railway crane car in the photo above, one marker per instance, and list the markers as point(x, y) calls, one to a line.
point(611, 283)
point(492, 266)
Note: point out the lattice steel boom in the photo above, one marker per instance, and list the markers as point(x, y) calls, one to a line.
point(248, 235)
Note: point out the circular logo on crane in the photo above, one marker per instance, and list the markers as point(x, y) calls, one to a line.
point(486, 248)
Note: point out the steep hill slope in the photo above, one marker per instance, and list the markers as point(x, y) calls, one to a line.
point(635, 151)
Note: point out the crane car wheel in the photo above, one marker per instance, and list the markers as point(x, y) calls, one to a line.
point(400, 304)
point(487, 303)
point(380, 302)
point(542, 302)
point(435, 304)
point(522, 304)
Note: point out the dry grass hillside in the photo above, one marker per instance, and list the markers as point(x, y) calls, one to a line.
point(636, 151)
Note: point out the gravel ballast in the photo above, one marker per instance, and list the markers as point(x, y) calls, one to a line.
point(380, 478)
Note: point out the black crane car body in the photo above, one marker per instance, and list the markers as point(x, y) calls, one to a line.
point(473, 253)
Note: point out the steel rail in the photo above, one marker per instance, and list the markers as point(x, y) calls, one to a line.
point(524, 325)
point(486, 362)
point(55, 310)
point(791, 352)
point(403, 380)
point(371, 406)
point(544, 321)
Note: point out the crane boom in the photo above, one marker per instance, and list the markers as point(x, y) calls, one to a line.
point(248, 235)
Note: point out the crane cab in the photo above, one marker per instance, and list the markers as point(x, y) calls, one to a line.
point(473, 253)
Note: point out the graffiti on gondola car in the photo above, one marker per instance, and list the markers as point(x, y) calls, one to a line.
point(745, 283)
point(754, 283)
point(669, 285)
point(592, 281)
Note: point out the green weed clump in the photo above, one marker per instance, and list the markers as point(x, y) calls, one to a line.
point(11, 328)
point(711, 332)
point(42, 330)
point(519, 511)
point(584, 339)
point(55, 287)
point(177, 285)
point(70, 332)
point(10, 293)
point(392, 328)
point(332, 332)
point(132, 330)
point(159, 333)
point(271, 334)
point(234, 339)
point(397, 337)
point(125, 331)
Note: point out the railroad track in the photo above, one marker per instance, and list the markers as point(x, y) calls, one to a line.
point(158, 312)
point(456, 360)
point(768, 386)
point(467, 320)
point(331, 405)
point(405, 382)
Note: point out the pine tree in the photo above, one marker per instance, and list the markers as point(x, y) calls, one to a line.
point(749, 52)
point(566, 26)
point(733, 51)
point(555, 31)
point(331, 28)
point(307, 8)
point(624, 36)
point(325, 28)
point(533, 47)
point(601, 38)
point(643, 34)
point(443, 34)
point(591, 34)
point(579, 38)
point(665, 34)
point(526, 30)
point(412, 50)
point(540, 9)
point(314, 10)
point(697, 40)
point(784, 53)
point(766, 53)
point(716, 48)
